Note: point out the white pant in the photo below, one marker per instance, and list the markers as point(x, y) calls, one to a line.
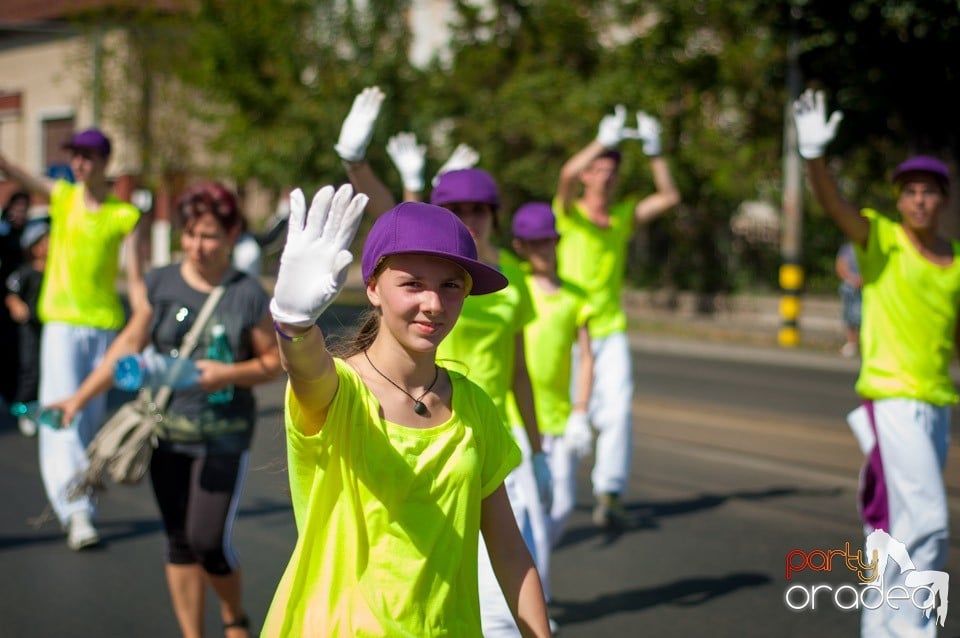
point(495, 617)
point(913, 439)
point(563, 467)
point(610, 411)
point(68, 353)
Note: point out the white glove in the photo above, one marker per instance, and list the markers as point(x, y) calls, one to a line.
point(462, 157)
point(647, 131)
point(409, 158)
point(814, 130)
point(313, 265)
point(611, 129)
point(357, 129)
point(578, 435)
point(541, 471)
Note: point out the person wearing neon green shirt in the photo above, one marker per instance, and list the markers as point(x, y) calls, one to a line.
point(591, 254)
point(911, 296)
point(81, 311)
point(396, 463)
point(562, 320)
point(487, 345)
point(562, 313)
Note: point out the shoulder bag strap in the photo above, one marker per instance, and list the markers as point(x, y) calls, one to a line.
point(190, 340)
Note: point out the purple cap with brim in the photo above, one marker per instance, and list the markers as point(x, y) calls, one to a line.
point(923, 164)
point(534, 221)
point(91, 139)
point(424, 229)
point(466, 185)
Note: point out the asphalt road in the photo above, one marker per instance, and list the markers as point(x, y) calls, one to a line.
point(740, 456)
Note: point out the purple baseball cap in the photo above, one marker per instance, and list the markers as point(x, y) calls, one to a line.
point(535, 220)
point(92, 139)
point(466, 185)
point(923, 164)
point(424, 229)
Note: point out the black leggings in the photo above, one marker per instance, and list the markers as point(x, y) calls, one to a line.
point(198, 499)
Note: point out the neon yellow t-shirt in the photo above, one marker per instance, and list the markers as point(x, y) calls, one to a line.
point(548, 342)
point(482, 345)
point(909, 316)
point(388, 517)
point(79, 283)
point(594, 259)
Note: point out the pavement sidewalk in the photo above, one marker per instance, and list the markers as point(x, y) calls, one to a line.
point(732, 326)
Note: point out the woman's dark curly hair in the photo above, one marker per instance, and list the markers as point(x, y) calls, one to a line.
point(209, 197)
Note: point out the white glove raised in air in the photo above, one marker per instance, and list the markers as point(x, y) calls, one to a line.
point(313, 265)
point(541, 471)
point(814, 130)
point(648, 132)
point(409, 158)
point(462, 157)
point(357, 128)
point(611, 129)
point(578, 435)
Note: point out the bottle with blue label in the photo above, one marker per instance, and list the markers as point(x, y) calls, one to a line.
point(37, 414)
point(220, 350)
point(150, 369)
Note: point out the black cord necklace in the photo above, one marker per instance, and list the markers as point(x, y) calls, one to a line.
point(418, 405)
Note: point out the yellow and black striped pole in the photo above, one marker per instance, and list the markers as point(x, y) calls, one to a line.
point(791, 284)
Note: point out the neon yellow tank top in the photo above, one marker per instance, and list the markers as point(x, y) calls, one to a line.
point(909, 318)
point(80, 281)
point(594, 259)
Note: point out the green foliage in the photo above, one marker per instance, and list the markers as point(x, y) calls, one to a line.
point(526, 82)
point(891, 66)
point(287, 72)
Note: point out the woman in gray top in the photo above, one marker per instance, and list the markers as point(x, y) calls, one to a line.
point(202, 435)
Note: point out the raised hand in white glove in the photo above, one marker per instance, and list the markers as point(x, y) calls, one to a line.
point(611, 129)
point(814, 130)
point(462, 157)
point(647, 131)
point(313, 265)
point(357, 128)
point(578, 435)
point(409, 158)
point(541, 471)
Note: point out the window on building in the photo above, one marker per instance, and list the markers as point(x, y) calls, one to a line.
point(56, 133)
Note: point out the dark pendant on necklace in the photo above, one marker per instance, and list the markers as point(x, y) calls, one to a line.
point(418, 405)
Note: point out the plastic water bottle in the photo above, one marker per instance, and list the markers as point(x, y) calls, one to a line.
point(219, 350)
point(150, 369)
point(50, 417)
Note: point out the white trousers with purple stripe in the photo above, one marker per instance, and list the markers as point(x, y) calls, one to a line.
point(912, 437)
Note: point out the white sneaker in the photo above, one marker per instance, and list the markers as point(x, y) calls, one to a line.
point(27, 426)
point(849, 350)
point(82, 533)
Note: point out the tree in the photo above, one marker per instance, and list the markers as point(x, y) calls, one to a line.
point(280, 77)
point(527, 81)
point(891, 67)
point(530, 81)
